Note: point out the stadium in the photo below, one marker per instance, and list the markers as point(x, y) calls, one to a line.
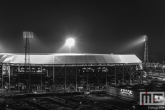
point(93, 76)
point(66, 75)
point(97, 77)
point(68, 71)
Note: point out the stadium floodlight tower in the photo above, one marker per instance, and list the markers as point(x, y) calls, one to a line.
point(145, 49)
point(27, 36)
point(70, 42)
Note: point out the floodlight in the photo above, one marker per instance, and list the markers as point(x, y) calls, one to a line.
point(145, 38)
point(70, 42)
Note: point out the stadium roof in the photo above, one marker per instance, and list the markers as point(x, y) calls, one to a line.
point(69, 58)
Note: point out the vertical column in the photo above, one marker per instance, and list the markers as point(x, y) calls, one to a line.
point(106, 76)
point(87, 81)
point(146, 50)
point(76, 77)
point(87, 78)
point(53, 78)
point(2, 75)
point(133, 75)
point(65, 77)
point(41, 77)
point(141, 78)
point(115, 76)
point(130, 74)
point(123, 74)
point(18, 76)
point(29, 78)
point(9, 74)
point(53, 75)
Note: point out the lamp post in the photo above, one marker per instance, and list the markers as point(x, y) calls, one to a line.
point(70, 42)
point(146, 49)
point(27, 35)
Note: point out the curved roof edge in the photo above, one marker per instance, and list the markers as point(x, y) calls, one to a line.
point(69, 58)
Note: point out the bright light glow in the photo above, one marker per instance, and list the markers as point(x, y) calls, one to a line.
point(27, 34)
point(70, 42)
point(145, 38)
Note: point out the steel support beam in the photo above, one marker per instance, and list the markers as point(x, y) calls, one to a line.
point(53, 78)
point(76, 77)
point(65, 77)
point(2, 76)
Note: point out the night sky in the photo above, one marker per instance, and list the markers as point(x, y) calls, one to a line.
point(103, 27)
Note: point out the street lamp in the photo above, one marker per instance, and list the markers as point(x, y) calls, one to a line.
point(70, 42)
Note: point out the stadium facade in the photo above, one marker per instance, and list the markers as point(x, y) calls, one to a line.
point(68, 71)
